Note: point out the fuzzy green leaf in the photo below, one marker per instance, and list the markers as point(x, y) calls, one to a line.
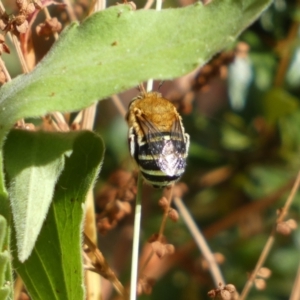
point(33, 162)
point(54, 268)
point(117, 48)
point(4, 260)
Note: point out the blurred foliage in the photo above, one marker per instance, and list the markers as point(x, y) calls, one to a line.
point(257, 149)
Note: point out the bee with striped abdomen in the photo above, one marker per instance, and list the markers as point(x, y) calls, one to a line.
point(157, 140)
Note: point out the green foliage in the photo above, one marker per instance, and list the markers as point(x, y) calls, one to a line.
point(117, 48)
point(4, 260)
point(54, 268)
point(49, 174)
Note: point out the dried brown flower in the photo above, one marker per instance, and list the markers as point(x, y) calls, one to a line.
point(227, 292)
point(114, 199)
point(173, 214)
point(163, 203)
point(49, 27)
point(286, 227)
point(145, 285)
point(260, 283)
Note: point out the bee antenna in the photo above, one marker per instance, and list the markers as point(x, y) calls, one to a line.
point(160, 84)
point(142, 88)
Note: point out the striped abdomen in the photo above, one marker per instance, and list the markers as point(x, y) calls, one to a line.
point(161, 157)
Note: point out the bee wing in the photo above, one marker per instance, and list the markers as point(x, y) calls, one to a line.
point(172, 161)
point(167, 149)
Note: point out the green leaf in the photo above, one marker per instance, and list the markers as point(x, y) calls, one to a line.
point(117, 48)
point(54, 268)
point(4, 260)
point(233, 139)
point(279, 103)
point(34, 161)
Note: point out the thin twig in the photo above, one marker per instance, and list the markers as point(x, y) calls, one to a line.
point(18, 287)
point(201, 242)
point(166, 213)
point(60, 121)
point(4, 70)
point(136, 239)
point(102, 266)
point(70, 10)
point(161, 229)
point(119, 105)
point(230, 220)
point(270, 240)
point(20, 54)
point(285, 57)
point(88, 117)
point(295, 295)
point(148, 4)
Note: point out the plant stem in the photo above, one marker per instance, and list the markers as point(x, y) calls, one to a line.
point(201, 242)
point(270, 240)
point(136, 239)
point(295, 295)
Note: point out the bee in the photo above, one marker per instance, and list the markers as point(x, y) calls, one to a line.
point(157, 140)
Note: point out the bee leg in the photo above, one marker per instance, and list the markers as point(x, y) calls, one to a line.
point(131, 142)
point(187, 143)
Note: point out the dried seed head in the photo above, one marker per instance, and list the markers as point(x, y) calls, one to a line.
point(292, 224)
point(145, 285)
point(260, 283)
point(173, 215)
point(283, 228)
point(170, 249)
point(21, 4)
point(163, 203)
point(230, 288)
point(264, 272)
point(30, 8)
point(212, 294)
point(22, 28)
point(49, 27)
point(158, 248)
point(225, 295)
point(19, 19)
point(219, 257)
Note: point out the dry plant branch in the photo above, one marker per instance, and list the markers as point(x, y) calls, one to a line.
point(161, 228)
point(70, 10)
point(20, 54)
point(201, 242)
point(295, 295)
point(102, 267)
point(148, 4)
point(4, 70)
point(18, 286)
point(88, 117)
point(286, 54)
point(136, 239)
point(119, 105)
point(270, 240)
point(230, 220)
